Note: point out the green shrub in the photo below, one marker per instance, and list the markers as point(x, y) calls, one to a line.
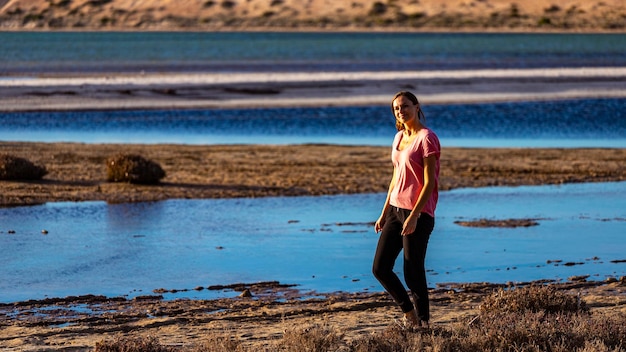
point(15, 168)
point(133, 169)
point(544, 21)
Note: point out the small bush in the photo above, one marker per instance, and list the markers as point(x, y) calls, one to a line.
point(15, 168)
point(133, 169)
point(544, 21)
point(228, 4)
point(532, 299)
point(378, 9)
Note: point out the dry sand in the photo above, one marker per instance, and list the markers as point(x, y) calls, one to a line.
point(507, 15)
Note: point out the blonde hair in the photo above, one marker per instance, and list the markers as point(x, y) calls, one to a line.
point(413, 99)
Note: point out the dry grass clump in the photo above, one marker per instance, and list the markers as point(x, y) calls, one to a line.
point(217, 343)
point(312, 338)
point(536, 318)
point(532, 299)
point(539, 318)
point(16, 168)
point(133, 169)
point(132, 344)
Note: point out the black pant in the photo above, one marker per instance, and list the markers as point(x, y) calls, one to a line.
point(390, 243)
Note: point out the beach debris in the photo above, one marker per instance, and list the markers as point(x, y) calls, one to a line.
point(133, 168)
point(16, 168)
point(578, 278)
point(510, 223)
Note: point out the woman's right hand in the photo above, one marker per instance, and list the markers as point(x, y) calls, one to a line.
point(378, 226)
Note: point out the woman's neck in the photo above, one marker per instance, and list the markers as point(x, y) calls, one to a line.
point(412, 129)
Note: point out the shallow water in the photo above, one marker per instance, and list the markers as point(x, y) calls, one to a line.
point(319, 243)
point(567, 123)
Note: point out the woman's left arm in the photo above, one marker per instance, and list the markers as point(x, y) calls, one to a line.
point(430, 164)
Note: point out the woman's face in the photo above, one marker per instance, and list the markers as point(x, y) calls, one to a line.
point(404, 109)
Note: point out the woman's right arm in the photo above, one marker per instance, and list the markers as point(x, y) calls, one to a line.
point(381, 220)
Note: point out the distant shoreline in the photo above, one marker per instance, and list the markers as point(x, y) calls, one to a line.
point(268, 29)
point(315, 15)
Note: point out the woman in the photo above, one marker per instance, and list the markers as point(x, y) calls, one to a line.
point(407, 218)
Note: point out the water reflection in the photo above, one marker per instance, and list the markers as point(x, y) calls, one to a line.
point(320, 243)
point(129, 217)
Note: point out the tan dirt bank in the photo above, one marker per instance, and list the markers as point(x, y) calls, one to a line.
point(77, 172)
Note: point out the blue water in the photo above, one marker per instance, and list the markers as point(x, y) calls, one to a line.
point(572, 123)
point(25, 53)
point(322, 244)
point(567, 123)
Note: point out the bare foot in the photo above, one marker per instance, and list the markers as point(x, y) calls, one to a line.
point(412, 319)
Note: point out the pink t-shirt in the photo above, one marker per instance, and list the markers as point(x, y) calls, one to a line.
point(409, 170)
